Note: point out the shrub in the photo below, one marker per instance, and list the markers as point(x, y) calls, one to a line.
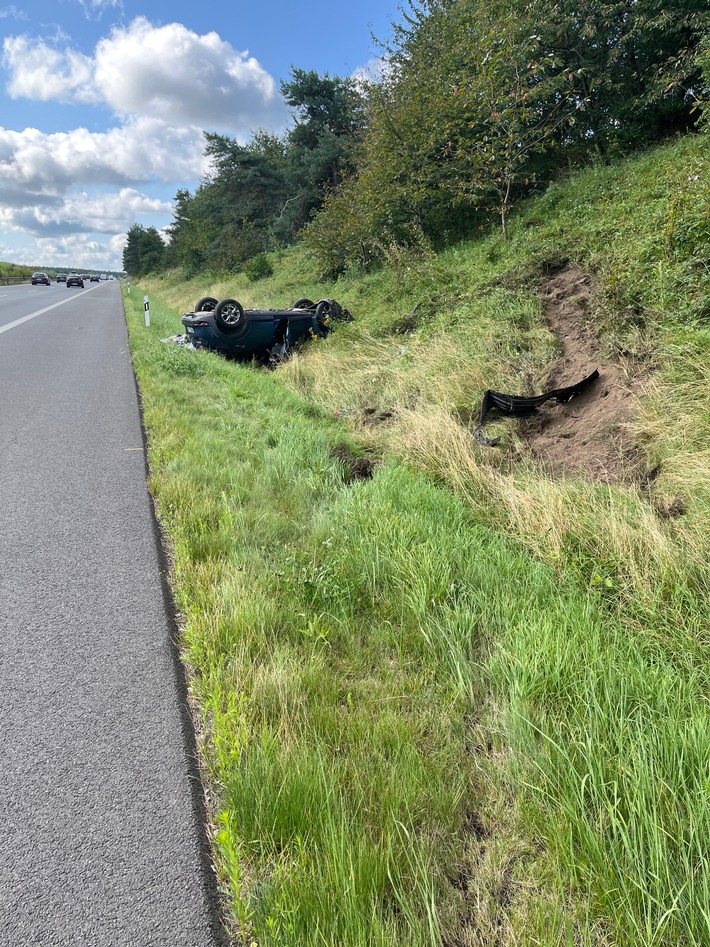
point(258, 267)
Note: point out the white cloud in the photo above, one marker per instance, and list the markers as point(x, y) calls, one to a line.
point(165, 85)
point(375, 70)
point(98, 6)
point(84, 213)
point(40, 72)
point(70, 250)
point(196, 80)
point(48, 186)
point(12, 13)
point(78, 250)
point(46, 166)
point(165, 72)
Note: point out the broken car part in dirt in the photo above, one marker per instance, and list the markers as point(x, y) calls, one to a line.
point(520, 406)
point(226, 327)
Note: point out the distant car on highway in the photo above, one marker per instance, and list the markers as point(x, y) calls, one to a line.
point(41, 278)
point(75, 280)
point(94, 278)
point(61, 277)
point(104, 276)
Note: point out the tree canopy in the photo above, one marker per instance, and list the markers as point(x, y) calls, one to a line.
point(484, 99)
point(144, 251)
point(479, 101)
point(258, 196)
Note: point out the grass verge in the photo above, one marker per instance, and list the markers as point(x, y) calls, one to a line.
point(465, 713)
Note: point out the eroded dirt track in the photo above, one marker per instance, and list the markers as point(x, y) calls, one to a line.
point(588, 435)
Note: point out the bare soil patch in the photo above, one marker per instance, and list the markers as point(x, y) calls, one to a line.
point(358, 468)
point(588, 435)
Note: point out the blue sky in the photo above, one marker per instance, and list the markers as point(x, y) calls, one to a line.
point(104, 103)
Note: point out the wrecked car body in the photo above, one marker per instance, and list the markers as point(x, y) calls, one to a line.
point(225, 326)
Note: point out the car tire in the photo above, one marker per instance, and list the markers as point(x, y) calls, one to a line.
point(303, 304)
point(229, 316)
point(206, 304)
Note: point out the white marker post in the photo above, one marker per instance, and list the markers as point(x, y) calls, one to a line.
point(146, 306)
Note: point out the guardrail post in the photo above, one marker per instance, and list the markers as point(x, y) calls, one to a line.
point(146, 306)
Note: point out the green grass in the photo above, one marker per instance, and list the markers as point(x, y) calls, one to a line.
point(458, 703)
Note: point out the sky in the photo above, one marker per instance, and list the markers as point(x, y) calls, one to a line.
point(103, 104)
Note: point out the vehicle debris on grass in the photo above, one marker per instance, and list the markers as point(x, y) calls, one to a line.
point(521, 406)
point(182, 340)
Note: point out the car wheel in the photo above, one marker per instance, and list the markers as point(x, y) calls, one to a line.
point(229, 316)
point(206, 304)
point(324, 311)
point(303, 304)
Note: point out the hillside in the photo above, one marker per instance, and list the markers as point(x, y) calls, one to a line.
point(458, 695)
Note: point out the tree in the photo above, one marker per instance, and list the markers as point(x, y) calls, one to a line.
point(632, 64)
point(328, 119)
point(480, 99)
point(467, 102)
point(152, 249)
point(259, 195)
point(181, 249)
point(131, 252)
point(144, 251)
point(323, 105)
point(512, 102)
point(228, 218)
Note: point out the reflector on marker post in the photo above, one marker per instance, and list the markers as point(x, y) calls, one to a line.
point(146, 306)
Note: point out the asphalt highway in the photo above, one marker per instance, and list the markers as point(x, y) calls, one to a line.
point(101, 830)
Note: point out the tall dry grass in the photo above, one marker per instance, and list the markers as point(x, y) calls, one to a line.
point(431, 389)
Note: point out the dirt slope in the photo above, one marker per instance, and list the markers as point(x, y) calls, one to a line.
point(588, 434)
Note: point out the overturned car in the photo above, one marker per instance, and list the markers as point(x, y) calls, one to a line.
point(225, 326)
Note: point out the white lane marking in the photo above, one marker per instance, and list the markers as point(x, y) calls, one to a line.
point(32, 315)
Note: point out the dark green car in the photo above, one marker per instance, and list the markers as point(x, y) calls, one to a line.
point(225, 326)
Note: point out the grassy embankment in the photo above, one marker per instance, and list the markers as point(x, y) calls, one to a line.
point(14, 271)
point(462, 702)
